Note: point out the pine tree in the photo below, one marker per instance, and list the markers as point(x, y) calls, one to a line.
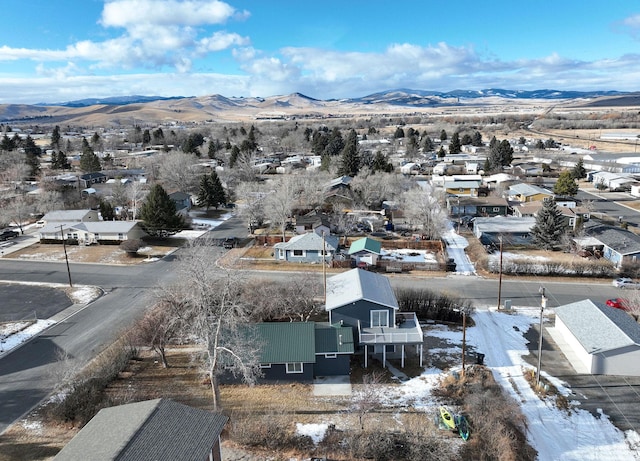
point(579, 172)
point(549, 227)
point(476, 139)
point(350, 161)
point(55, 138)
point(443, 135)
point(565, 185)
point(211, 193)
point(455, 146)
point(158, 214)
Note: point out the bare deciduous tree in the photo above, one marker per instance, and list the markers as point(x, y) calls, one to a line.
point(422, 207)
point(178, 171)
point(217, 317)
point(367, 398)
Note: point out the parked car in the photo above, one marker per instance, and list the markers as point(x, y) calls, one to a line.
point(617, 303)
point(8, 234)
point(625, 282)
point(229, 243)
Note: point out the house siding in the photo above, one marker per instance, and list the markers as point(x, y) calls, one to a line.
point(278, 372)
point(623, 362)
point(340, 365)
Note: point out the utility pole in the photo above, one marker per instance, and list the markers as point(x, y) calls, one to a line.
point(66, 258)
point(324, 267)
point(464, 338)
point(500, 275)
point(543, 304)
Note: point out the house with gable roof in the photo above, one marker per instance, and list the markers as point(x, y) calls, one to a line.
point(88, 233)
point(523, 192)
point(366, 302)
point(307, 248)
point(365, 251)
point(301, 351)
point(159, 430)
point(598, 339)
point(616, 244)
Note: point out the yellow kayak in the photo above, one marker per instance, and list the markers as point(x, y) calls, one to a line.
point(447, 418)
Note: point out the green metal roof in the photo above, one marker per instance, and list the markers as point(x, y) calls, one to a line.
point(333, 339)
point(366, 244)
point(285, 342)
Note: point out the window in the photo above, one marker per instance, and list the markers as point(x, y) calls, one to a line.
point(330, 356)
point(120, 237)
point(265, 365)
point(496, 209)
point(295, 367)
point(97, 236)
point(379, 318)
point(281, 253)
point(298, 253)
point(75, 236)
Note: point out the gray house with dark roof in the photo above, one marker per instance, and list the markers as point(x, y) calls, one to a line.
point(601, 339)
point(307, 248)
point(618, 245)
point(366, 302)
point(152, 430)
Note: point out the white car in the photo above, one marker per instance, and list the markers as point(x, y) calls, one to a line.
point(626, 283)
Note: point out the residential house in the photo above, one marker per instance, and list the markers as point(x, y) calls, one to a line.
point(571, 216)
point(313, 221)
point(598, 339)
point(616, 244)
point(307, 248)
point(611, 180)
point(70, 216)
point(477, 206)
point(366, 302)
point(88, 233)
point(338, 193)
point(88, 179)
point(302, 351)
point(523, 192)
point(462, 188)
point(410, 168)
point(158, 430)
point(365, 251)
point(182, 201)
point(513, 230)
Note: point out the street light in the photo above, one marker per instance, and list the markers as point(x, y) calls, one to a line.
point(543, 304)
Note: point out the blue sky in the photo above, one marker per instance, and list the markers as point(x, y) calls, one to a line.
point(56, 51)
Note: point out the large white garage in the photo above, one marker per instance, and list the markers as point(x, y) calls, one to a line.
point(603, 340)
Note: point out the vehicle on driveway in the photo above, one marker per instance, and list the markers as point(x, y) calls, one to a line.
point(229, 243)
point(617, 303)
point(8, 234)
point(625, 282)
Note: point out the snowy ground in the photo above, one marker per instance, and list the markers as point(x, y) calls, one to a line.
point(455, 249)
point(557, 435)
point(409, 256)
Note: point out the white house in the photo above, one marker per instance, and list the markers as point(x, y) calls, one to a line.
point(598, 339)
point(87, 233)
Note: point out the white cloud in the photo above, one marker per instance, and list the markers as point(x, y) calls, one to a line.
point(632, 21)
point(130, 13)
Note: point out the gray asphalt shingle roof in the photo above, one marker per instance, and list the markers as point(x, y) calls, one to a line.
point(357, 284)
point(616, 238)
point(599, 328)
point(309, 241)
point(152, 430)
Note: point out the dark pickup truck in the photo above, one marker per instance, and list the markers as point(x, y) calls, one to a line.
point(8, 234)
point(229, 243)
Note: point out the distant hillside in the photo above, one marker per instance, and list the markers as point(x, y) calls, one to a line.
point(129, 110)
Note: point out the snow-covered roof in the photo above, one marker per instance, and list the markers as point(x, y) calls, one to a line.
point(527, 190)
point(358, 284)
point(599, 328)
point(504, 224)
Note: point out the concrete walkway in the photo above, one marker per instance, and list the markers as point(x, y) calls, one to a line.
point(332, 385)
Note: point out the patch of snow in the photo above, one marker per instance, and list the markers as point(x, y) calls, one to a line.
point(508, 256)
point(315, 431)
point(455, 249)
point(83, 294)
point(7, 343)
point(408, 255)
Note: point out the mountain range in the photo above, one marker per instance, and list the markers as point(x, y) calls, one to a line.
point(136, 109)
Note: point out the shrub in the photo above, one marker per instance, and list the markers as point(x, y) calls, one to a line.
point(431, 305)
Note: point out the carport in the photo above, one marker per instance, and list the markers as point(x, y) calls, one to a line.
point(598, 339)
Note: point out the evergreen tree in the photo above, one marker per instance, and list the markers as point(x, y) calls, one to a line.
point(89, 161)
point(7, 143)
point(427, 145)
point(233, 158)
point(441, 152)
point(33, 153)
point(579, 172)
point(325, 162)
point(399, 133)
point(454, 145)
point(380, 163)
point(539, 144)
point(466, 139)
point(106, 211)
point(565, 185)
point(336, 144)
point(146, 138)
point(350, 161)
point(549, 228)
point(500, 154)
point(476, 139)
point(211, 193)
point(158, 214)
point(55, 138)
point(443, 135)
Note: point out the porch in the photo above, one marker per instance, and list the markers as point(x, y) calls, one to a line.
point(405, 332)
